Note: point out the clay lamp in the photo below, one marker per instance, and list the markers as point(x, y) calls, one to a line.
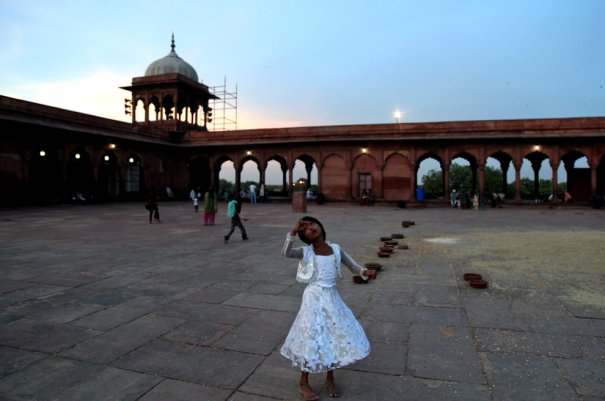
point(386, 249)
point(384, 254)
point(373, 266)
point(397, 235)
point(403, 246)
point(385, 238)
point(472, 276)
point(359, 280)
point(477, 283)
point(391, 242)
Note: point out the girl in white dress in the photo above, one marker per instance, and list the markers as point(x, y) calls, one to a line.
point(325, 334)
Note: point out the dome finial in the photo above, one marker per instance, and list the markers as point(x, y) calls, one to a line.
point(172, 45)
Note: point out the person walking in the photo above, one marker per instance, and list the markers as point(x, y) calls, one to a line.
point(453, 198)
point(196, 205)
point(152, 207)
point(210, 207)
point(234, 209)
point(252, 190)
point(325, 334)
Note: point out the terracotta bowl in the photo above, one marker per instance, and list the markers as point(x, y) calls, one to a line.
point(403, 246)
point(384, 254)
point(385, 238)
point(391, 242)
point(478, 283)
point(373, 266)
point(400, 236)
point(407, 223)
point(472, 276)
point(359, 280)
point(386, 249)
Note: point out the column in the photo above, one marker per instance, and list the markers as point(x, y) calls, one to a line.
point(517, 182)
point(482, 179)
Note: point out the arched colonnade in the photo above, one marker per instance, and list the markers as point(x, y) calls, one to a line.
point(393, 172)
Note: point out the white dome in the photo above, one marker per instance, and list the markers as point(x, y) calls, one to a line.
point(171, 64)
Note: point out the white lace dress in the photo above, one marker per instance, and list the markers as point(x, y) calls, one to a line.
point(325, 334)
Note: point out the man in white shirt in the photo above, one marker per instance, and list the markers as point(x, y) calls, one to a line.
point(252, 189)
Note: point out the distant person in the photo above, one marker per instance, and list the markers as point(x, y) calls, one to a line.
point(370, 197)
point(462, 199)
point(364, 198)
point(234, 209)
point(252, 190)
point(453, 198)
point(309, 194)
point(196, 204)
point(210, 207)
point(261, 192)
point(567, 197)
point(152, 206)
point(475, 202)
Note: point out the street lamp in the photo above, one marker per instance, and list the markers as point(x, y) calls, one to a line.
point(397, 116)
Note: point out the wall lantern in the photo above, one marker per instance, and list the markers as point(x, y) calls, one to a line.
point(249, 152)
point(537, 148)
point(112, 146)
point(42, 153)
point(106, 158)
point(77, 156)
point(131, 160)
point(364, 150)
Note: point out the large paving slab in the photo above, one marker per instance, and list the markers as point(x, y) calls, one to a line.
point(97, 304)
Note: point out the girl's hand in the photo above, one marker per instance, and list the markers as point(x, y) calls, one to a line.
point(369, 273)
point(299, 226)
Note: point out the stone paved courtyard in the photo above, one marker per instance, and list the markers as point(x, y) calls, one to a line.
point(98, 304)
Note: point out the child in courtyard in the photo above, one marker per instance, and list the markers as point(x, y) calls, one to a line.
point(325, 334)
point(234, 208)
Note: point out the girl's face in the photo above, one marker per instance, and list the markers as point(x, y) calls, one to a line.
point(312, 231)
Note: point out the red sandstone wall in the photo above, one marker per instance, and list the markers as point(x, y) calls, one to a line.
point(335, 179)
point(397, 177)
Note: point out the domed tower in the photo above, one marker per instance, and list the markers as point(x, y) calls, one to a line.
point(171, 96)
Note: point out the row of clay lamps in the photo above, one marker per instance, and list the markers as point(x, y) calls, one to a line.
point(384, 251)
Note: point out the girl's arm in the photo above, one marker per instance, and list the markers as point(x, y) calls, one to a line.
point(355, 267)
point(287, 248)
point(290, 252)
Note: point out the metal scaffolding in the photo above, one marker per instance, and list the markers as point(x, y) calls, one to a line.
point(224, 109)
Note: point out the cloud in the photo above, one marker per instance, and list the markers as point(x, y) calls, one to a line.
point(98, 94)
point(251, 118)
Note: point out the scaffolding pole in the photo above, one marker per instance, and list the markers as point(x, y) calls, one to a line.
point(224, 108)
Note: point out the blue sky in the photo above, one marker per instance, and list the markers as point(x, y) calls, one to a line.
point(305, 63)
